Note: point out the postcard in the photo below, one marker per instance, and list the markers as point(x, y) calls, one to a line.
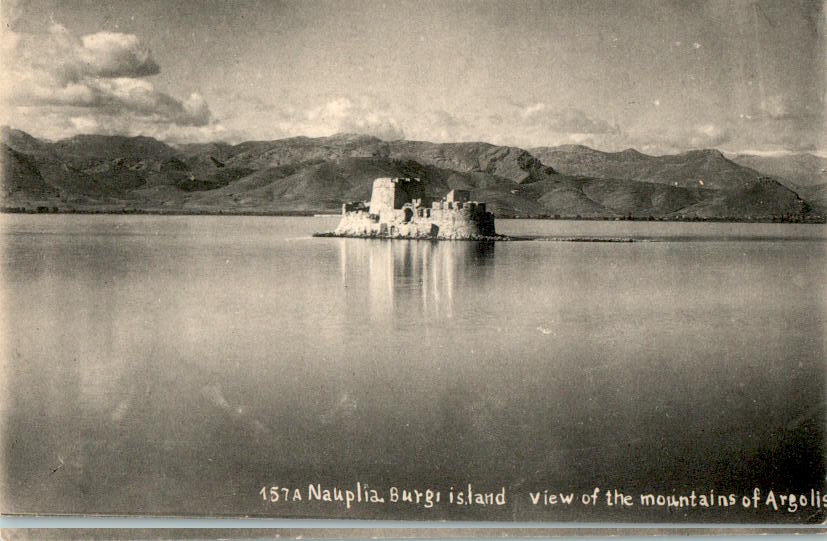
point(514, 262)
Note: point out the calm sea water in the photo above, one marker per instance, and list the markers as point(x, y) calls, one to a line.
point(177, 365)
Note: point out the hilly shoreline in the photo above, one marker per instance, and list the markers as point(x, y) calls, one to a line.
point(307, 176)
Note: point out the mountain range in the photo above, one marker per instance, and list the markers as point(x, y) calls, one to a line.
point(98, 173)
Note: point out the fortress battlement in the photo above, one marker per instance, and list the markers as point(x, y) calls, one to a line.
point(400, 208)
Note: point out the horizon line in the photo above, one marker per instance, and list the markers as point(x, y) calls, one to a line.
point(820, 153)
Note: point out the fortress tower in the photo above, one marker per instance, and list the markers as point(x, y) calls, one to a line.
point(393, 193)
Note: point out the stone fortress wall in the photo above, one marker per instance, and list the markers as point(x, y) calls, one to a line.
point(398, 208)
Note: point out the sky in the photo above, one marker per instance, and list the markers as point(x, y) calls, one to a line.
point(659, 76)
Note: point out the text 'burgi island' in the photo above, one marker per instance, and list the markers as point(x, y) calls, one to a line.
point(400, 208)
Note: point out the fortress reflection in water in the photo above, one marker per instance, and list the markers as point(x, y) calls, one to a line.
point(404, 278)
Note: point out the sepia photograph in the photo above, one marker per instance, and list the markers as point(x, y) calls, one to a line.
point(513, 261)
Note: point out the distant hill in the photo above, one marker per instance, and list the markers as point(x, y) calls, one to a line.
point(697, 168)
point(816, 198)
point(509, 162)
point(21, 176)
point(307, 175)
point(109, 147)
point(512, 163)
point(793, 170)
point(22, 141)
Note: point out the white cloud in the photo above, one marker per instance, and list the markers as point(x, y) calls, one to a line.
point(678, 137)
point(111, 54)
point(522, 125)
point(92, 83)
point(710, 131)
point(776, 107)
point(525, 125)
point(341, 114)
point(563, 121)
point(55, 123)
point(71, 59)
point(531, 110)
point(84, 124)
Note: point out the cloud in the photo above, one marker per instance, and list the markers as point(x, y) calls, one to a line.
point(111, 54)
point(93, 83)
point(540, 124)
point(781, 130)
point(531, 110)
point(563, 121)
point(57, 123)
point(341, 114)
point(778, 122)
point(251, 102)
point(513, 123)
point(708, 135)
point(534, 124)
point(140, 97)
point(84, 124)
point(442, 126)
point(67, 58)
point(129, 97)
point(778, 107)
point(678, 137)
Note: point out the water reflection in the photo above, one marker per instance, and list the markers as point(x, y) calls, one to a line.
point(136, 363)
point(406, 278)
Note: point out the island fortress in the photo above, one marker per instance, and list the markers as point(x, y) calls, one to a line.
point(398, 208)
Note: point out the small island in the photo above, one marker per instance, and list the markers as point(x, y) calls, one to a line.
point(398, 208)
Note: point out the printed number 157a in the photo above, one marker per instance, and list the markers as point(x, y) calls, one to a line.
point(274, 494)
